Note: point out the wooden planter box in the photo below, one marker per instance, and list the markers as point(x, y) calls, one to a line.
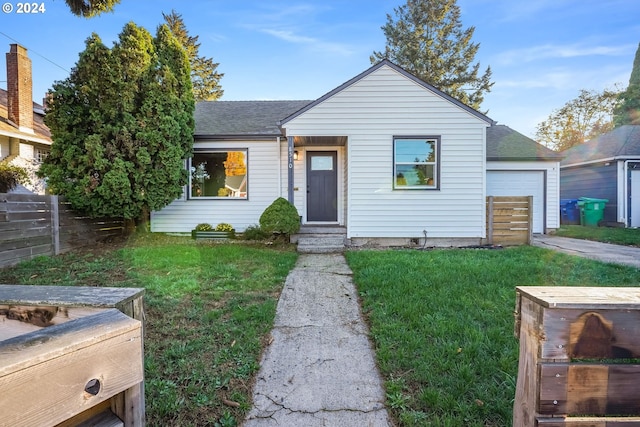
point(577, 365)
point(211, 234)
point(71, 355)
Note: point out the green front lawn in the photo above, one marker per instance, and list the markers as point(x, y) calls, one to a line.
point(442, 325)
point(209, 308)
point(441, 321)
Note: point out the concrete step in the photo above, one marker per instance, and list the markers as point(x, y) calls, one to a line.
point(321, 243)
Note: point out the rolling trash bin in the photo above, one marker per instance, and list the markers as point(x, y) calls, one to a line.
point(591, 210)
point(569, 212)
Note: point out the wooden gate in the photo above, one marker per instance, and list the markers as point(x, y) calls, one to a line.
point(509, 220)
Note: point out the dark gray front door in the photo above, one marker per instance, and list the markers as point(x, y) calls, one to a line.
point(322, 186)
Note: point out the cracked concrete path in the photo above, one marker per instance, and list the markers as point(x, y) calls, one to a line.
point(320, 369)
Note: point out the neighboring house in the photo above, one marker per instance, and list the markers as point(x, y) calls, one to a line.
point(385, 155)
point(606, 167)
point(24, 139)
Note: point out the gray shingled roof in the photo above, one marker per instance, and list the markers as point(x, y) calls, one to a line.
point(256, 118)
point(504, 143)
point(260, 118)
point(621, 142)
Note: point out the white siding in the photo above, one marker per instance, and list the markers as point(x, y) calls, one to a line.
point(264, 186)
point(551, 202)
point(370, 112)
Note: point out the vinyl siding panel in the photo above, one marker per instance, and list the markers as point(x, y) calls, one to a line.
point(598, 180)
point(264, 186)
point(370, 113)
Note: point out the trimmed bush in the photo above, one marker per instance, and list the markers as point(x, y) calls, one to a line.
point(281, 217)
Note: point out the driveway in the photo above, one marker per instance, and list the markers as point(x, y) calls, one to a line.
point(605, 252)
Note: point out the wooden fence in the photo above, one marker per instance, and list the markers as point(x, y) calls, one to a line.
point(33, 225)
point(509, 220)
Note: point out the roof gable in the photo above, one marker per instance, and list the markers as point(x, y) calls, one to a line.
point(622, 142)
point(504, 143)
point(406, 74)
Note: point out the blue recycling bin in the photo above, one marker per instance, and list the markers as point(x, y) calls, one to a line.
point(569, 212)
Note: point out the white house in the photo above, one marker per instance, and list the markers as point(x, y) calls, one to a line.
point(385, 155)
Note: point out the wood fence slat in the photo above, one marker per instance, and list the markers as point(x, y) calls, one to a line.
point(509, 220)
point(33, 225)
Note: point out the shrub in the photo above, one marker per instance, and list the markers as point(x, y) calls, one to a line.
point(11, 176)
point(204, 227)
point(280, 217)
point(254, 232)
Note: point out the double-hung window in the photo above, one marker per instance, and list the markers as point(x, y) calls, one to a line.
point(218, 174)
point(416, 163)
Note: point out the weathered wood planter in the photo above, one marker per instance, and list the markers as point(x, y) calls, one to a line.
point(210, 234)
point(71, 355)
point(578, 351)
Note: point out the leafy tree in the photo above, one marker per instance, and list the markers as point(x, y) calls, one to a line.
point(91, 8)
point(204, 77)
point(427, 40)
point(579, 120)
point(122, 125)
point(628, 112)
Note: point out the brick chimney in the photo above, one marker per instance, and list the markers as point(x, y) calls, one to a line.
point(19, 88)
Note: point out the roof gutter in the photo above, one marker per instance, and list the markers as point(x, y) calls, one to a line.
point(236, 137)
point(24, 137)
point(604, 160)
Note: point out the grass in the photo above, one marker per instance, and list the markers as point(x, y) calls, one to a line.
point(442, 325)
point(209, 309)
point(441, 321)
point(619, 236)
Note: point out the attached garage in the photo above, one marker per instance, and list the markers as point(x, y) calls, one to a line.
point(521, 183)
point(519, 166)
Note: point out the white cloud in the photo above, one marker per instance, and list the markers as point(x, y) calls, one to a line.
point(310, 42)
point(550, 51)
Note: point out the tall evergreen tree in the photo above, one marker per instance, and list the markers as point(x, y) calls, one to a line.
point(427, 39)
point(91, 8)
point(204, 77)
point(628, 112)
point(122, 125)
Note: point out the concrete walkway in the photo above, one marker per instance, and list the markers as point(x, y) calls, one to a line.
point(320, 368)
point(605, 252)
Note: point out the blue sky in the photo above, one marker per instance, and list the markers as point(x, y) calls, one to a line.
point(541, 52)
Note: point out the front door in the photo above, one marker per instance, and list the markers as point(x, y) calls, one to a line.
point(322, 186)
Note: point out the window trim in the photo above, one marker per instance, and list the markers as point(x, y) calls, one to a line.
point(437, 139)
point(214, 151)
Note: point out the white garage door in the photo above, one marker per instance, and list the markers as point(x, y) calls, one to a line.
point(520, 183)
